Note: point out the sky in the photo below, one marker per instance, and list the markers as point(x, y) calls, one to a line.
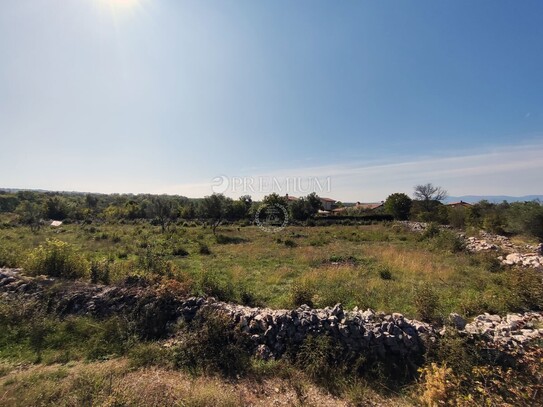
point(195, 97)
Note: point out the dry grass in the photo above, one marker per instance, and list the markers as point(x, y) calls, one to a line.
point(113, 383)
point(413, 262)
point(391, 264)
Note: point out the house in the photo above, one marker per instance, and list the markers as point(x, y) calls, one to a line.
point(369, 206)
point(327, 203)
point(290, 198)
point(460, 204)
point(359, 207)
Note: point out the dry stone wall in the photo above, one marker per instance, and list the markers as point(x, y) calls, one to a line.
point(271, 331)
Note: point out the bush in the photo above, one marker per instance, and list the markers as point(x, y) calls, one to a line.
point(426, 302)
point(527, 288)
point(385, 274)
point(56, 258)
point(217, 285)
point(436, 384)
point(180, 251)
point(321, 359)
point(204, 249)
point(112, 337)
point(223, 239)
point(10, 256)
point(448, 241)
point(211, 343)
point(432, 230)
point(290, 243)
point(302, 293)
point(99, 270)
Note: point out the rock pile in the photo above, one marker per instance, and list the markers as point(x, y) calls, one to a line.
point(522, 259)
point(414, 226)
point(511, 331)
point(475, 245)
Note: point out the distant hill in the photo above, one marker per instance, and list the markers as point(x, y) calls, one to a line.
point(493, 198)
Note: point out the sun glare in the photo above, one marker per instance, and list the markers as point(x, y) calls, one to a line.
point(119, 4)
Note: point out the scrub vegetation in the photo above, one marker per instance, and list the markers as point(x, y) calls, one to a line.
point(357, 261)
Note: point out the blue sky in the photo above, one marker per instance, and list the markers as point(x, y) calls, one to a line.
point(163, 96)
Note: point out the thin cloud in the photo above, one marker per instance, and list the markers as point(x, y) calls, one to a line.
point(510, 169)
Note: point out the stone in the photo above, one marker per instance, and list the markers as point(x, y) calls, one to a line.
point(457, 321)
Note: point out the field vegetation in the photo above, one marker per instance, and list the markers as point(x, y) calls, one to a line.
point(358, 261)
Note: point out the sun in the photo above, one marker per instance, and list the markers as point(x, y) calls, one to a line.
point(123, 3)
point(120, 4)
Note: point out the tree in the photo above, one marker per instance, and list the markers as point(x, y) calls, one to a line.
point(429, 195)
point(30, 214)
point(315, 202)
point(57, 208)
point(300, 209)
point(526, 218)
point(275, 199)
point(305, 208)
point(398, 205)
point(247, 201)
point(162, 210)
point(216, 208)
point(240, 208)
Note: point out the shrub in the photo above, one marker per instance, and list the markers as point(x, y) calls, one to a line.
point(56, 258)
point(488, 261)
point(211, 343)
point(10, 256)
point(527, 288)
point(431, 231)
point(320, 358)
point(217, 285)
point(448, 241)
point(204, 249)
point(436, 385)
point(111, 337)
point(456, 351)
point(302, 293)
point(426, 302)
point(180, 251)
point(385, 274)
point(290, 243)
point(99, 270)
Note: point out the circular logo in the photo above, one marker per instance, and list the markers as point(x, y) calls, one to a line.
point(271, 217)
point(220, 184)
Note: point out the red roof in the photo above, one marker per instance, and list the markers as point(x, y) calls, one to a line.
point(461, 203)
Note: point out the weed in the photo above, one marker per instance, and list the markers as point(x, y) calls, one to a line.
point(56, 258)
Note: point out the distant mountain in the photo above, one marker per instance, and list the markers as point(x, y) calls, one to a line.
point(493, 198)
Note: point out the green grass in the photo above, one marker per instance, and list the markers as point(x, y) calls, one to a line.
point(80, 360)
point(377, 266)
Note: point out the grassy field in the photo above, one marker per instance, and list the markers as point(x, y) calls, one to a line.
point(78, 360)
point(383, 267)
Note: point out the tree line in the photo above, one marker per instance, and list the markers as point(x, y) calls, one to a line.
point(32, 207)
point(503, 218)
